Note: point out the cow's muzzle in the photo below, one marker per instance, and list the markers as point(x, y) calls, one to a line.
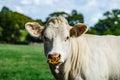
point(54, 58)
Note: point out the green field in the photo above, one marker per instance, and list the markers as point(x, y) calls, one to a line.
point(22, 62)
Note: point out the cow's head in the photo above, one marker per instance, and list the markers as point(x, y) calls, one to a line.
point(56, 36)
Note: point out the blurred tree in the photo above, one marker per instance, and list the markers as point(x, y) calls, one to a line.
point(91, 31)
point(110, 24)
point(107, 31)
point(12, 27)
point(1, 31)
point(5, 10)
point(75, 18)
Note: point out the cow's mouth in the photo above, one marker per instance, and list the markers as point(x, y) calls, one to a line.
point(54, 60)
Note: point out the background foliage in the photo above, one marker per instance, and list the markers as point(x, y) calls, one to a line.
point(110, 24)
point(12, 24)
point(12, 28)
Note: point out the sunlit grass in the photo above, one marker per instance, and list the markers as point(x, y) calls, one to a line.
point(22, 62)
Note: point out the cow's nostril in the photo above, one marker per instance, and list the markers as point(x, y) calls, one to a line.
point(49, 56)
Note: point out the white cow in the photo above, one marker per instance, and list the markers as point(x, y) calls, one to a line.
point(74, 55)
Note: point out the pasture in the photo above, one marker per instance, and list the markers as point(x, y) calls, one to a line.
point(23, 62)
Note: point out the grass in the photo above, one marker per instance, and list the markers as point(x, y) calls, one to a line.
point(22, 62)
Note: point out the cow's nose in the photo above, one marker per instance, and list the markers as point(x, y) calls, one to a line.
point(54, 58)
point(53, 55)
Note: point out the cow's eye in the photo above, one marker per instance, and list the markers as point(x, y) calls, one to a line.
point(67, 38)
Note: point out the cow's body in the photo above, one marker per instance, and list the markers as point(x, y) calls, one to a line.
point(88, 57)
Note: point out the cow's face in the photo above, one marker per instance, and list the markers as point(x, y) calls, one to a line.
point(56, 36)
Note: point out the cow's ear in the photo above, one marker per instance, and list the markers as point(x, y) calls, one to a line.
point(78, 30)
point(34, 29)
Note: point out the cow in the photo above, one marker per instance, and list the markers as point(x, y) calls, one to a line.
point(74, 55)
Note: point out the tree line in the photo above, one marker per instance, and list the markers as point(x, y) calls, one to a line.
point(109, 25)
point(12, 29)
point(12, 24)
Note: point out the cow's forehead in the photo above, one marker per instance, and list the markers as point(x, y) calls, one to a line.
point(57, 26)
point(57, 20)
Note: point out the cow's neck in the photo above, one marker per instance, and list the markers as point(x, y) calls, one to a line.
point(74, 63)
point(57, 71)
